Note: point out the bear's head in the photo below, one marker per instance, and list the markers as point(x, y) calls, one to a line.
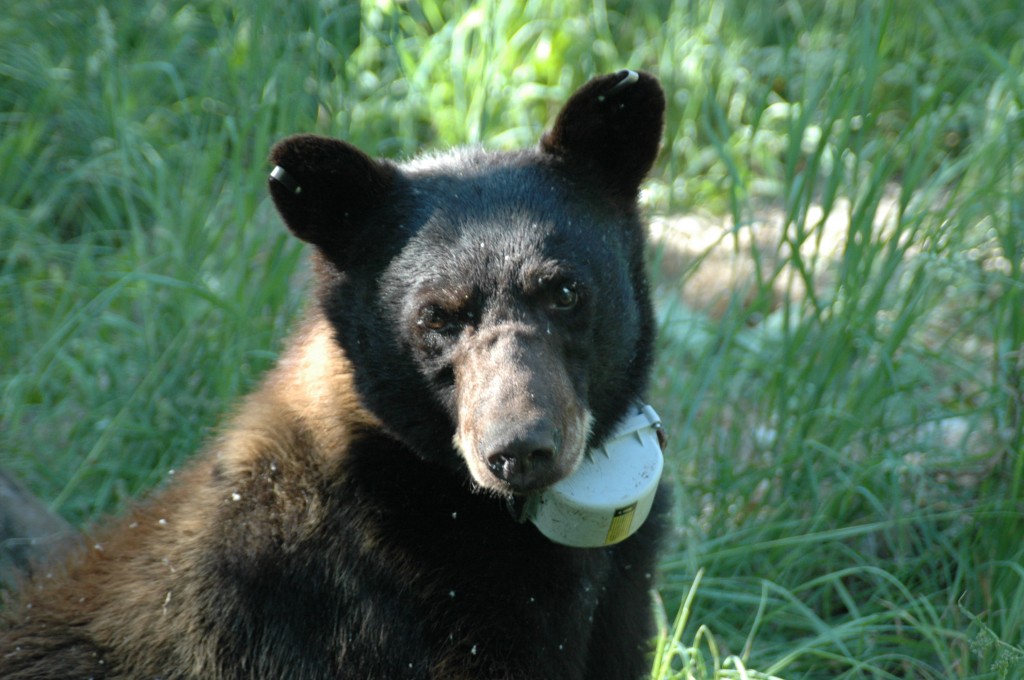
point(494, 306)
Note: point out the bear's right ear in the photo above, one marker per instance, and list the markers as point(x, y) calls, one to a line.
point(610, 130)
point(325, 189)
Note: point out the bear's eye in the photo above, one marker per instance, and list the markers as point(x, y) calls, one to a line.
point(436, 318)
point(564, 296)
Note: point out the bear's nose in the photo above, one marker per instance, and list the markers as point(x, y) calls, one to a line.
point(525, 462)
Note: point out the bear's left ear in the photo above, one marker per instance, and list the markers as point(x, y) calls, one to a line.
point(611, 129)
point(325, 190)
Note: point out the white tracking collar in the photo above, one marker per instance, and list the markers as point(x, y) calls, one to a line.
point(610, 495)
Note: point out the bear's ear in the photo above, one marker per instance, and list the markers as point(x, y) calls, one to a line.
point(611, 128)
point(325, 189)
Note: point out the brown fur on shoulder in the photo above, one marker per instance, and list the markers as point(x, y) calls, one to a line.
point(131, 587)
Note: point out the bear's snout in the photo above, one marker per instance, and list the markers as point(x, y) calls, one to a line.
point(521, 425)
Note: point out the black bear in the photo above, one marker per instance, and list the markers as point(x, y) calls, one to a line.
point(481, 322)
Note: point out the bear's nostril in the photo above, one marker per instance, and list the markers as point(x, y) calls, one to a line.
point(524, 462)
point(540, 456)
point(502, 465)
point(510, 463)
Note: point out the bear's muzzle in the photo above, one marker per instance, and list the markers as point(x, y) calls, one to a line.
point(521, 426)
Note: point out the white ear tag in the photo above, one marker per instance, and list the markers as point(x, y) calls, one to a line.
point(610, 495)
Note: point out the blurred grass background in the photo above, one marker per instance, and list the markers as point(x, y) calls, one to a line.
point(845, 412)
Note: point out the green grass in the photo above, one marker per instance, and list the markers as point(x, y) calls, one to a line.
point(847, 434)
